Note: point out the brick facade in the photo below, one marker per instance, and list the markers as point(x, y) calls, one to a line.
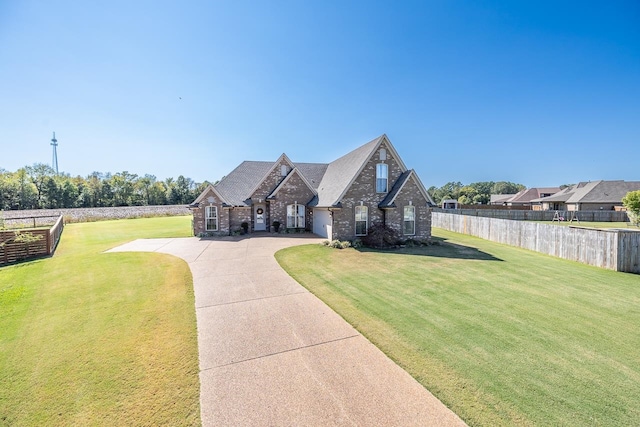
point(294, 190)
point(410, 195)
point(266, 187)
point(293, 187)
point(363, 191)
point(211, 199)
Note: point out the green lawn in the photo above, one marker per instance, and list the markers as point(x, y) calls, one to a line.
point(503, 336)
point(89, 338)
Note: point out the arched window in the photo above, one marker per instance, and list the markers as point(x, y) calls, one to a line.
point(382, 178)
point(295, 216)
point(362, 217)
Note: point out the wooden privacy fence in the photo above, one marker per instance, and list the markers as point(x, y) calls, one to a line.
point(612, 249)
point(19, 245)
point(528, 215)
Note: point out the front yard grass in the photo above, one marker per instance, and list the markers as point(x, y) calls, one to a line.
point(502, 335)
point(89, 338)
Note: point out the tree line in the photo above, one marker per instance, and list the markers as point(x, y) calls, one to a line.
point(476, 193)
point(39, 187)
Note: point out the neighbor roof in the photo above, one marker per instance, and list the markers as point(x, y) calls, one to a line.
point(530, 194)
point(594, 192)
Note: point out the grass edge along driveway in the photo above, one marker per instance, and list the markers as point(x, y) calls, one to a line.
point(503, 336)
point(89, 338)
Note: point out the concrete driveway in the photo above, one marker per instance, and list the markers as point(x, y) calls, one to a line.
point(272, 354)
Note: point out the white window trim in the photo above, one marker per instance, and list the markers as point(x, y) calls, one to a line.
point(298, 217)
point(386, 179)
point(404, 221)
point(366, 220)
point(207, 217)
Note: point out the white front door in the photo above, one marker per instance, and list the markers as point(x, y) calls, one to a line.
point(322, 223)
point(260, 218)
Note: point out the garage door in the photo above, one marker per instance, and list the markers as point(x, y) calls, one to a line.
point(322, 222)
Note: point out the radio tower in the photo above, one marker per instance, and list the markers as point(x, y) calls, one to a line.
point(54, 162)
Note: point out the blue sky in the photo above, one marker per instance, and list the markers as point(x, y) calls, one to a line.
point(540, 93)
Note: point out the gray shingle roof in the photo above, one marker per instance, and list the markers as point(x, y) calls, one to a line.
point(329, 180)
point(500, 198)
point(531, 194)
point(236, 186)
point(313, 172)
point(342, 171)
point(594, 192)
point(388, 201)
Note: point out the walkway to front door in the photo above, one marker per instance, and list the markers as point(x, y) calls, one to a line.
point(272, 354)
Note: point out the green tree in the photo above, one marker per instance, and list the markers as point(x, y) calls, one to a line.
point(467, 194)
point(40, 174)
point(27, 193)
point(505, 187)
point(632, 202)
point(123, 185)
point(450, 190)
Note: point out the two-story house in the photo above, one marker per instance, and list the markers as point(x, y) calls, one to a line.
point(338, 200)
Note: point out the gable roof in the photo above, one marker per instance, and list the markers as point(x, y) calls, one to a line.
point(530, 194)
point(500, 198)
point(594, 192)
point(389, 201)
point(294, 171)
point(238, 185)
point(329, 182)
point(313, 172)
point(283, 157)
point(342, 172)
point(211, 188)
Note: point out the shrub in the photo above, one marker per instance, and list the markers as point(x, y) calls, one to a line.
point(380, 236)
point(276, 226)
point(326, 243)
point(357, 243)
point(631, 201)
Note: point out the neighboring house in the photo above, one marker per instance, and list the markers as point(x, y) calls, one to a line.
point(449, 204)
point(524, 197)
point(499, 199)
point(589, 196)
point(339, 200)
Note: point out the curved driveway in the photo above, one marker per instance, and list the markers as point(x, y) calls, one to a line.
point(272, 354)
